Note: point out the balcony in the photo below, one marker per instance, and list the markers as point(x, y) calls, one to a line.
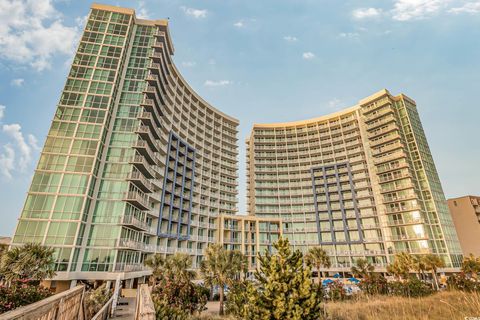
point(139, 180)
point(146, 134)
point(129, 267)
point(390, 157)
point(142, 165)
point(134, 223)
point(137, 199)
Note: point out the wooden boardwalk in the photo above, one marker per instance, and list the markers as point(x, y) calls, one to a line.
point(125, 309)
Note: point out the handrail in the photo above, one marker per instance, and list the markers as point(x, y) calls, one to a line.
point(145, 310)
point(104, 313)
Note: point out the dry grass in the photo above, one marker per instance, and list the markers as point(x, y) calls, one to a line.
point(444, 305)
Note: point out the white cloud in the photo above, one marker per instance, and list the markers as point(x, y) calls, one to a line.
point(290, 38)
point(17, 153)
point(405, 10)
point(14, 131)
point(220, 83)
point(195, 13)
point(469, 7)
point(348, 35)
point(212, 62)
point(33, 32)
point(308, 55)
point(239, 24)
point(334, 104)
point(363, 13)
point(2, 112)
point(188, 64)
point(17, 82)
point(7, 159)
point(142, 11)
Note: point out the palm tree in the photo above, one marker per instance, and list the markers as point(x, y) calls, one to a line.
point(180, 264)
point(176, 265)
point(319, 258)
point(401, 266)
point(432, 263)
point(419, 265)
point(220, 267)
point(30, 262)
point(157, 264)
point(362, 268)
point(471, 266)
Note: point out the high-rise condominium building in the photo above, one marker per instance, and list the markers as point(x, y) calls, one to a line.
point(466, 217)
point(360, 182)
point(135, 162)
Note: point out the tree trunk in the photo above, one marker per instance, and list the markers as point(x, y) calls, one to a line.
point(221, 300)
point(434, 274)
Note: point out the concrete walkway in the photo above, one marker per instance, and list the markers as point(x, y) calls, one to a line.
point(125, 309)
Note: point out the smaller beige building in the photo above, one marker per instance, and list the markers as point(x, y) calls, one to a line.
point(466, 217)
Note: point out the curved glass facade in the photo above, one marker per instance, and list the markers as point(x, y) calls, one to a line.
point(360, 182)
point(135, 162)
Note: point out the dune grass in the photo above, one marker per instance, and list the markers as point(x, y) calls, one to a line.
point(444, 305)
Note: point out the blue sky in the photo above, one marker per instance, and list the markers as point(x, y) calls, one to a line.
point(262, 61)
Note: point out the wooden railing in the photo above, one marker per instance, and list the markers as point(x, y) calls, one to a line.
point(145, 309)
point(105, 312)
point(66, 306)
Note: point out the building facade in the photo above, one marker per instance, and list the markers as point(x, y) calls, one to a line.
point(360, 182)
point(466, 217)
point(135, 162)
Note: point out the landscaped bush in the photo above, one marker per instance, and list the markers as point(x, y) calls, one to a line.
point(95, 299)
point(463, 283)
point(336, 291)
point(174, 298)
point(374, 284)
point(410, 288)
point(14, 297)
point(236, 298)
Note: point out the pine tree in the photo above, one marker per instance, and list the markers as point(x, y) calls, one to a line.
point(284, 289)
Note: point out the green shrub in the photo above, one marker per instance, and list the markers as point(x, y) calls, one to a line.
point(165, 310)
point(18, 296)
point(236, 298)
point(95, 299)
point(336, 291)
point(178, 296)
point(463, 283)
point(374, 284)
point(410, 288)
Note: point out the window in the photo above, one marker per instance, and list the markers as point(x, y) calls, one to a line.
point(100, 88)
point(30, 231)
point(45, 182)
point(71, 99)
point(67, 208)
point(89, 131)
point(79, 164)
point(57, 145)
point(51, 162)
point(84, 60)
point(88, 48)
point(93, 115)
point(62, 129)
point(38, 206)
point(74, 184)
point(84, 147)
point(104, 75)
point(61, 233)
point(67, 113)
point(81, 72)
point(98, 102)
point(76, 85)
